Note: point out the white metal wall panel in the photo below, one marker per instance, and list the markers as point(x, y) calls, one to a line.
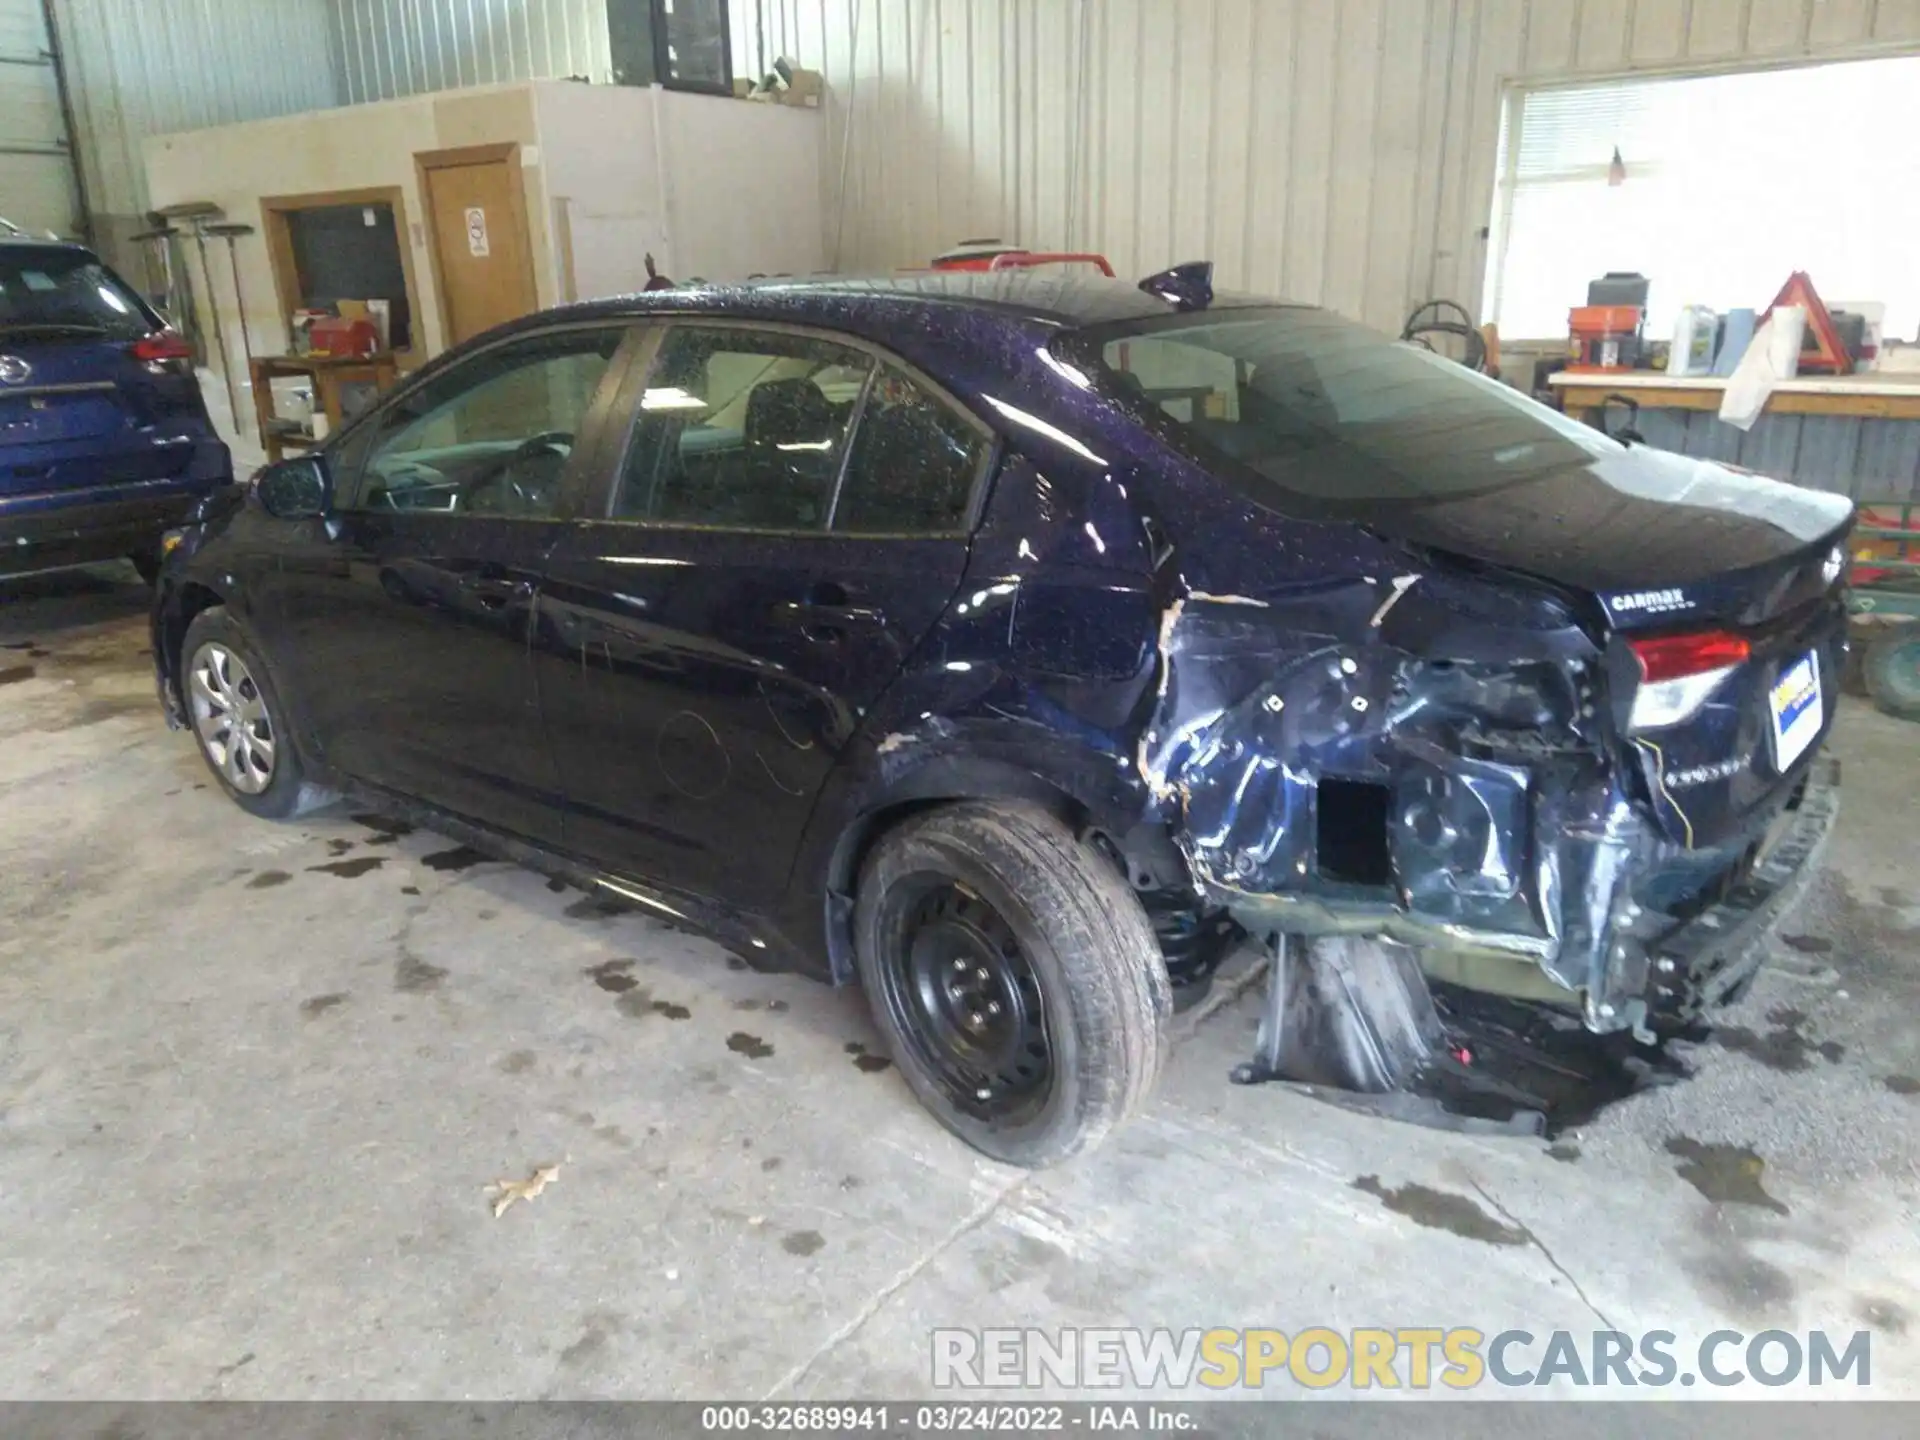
point(390, 48)
point(1340, 151)
point(36, 176)
point(1652, 35)
point(147, 67)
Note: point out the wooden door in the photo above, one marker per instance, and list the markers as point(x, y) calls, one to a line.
point(476, 209)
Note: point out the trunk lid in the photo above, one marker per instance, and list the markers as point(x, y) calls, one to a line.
point(1680, 564)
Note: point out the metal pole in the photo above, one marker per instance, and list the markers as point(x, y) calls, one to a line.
point(59, 61)
point(213, 315)
point(230, 233)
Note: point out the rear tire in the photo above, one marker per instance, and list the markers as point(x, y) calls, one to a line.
point(1892, 670)
point(237, 719)
point(1015, 978)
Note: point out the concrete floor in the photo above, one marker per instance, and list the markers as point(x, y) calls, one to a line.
point(254, 1077)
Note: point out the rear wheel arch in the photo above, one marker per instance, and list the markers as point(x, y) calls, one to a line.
point(952, 781)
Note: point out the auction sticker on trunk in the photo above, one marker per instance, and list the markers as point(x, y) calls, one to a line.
point(1797, 715)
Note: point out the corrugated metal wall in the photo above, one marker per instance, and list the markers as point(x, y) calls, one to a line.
point(146, 67)
point(390, 48)
point(36, 171)
point(1340, 151)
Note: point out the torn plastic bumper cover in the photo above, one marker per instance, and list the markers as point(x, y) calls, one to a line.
point(1331, 795)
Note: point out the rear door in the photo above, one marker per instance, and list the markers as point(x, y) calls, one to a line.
point(787, 517)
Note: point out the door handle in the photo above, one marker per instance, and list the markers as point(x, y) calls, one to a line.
point(495, 591)
point(812, 615)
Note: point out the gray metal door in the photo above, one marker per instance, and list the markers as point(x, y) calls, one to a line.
point(37, 192)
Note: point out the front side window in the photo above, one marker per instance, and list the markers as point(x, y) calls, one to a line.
point(741, 429)
point(913, 464)
point(492, 436)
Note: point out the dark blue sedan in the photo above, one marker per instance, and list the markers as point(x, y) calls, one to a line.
point(104, 437)
point(1020, 645)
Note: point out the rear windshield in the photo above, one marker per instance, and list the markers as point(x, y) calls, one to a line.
point(1294, 402)
point(53, 294)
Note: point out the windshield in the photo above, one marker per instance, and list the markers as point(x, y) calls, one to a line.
point(53, 293)
point(1327, 410)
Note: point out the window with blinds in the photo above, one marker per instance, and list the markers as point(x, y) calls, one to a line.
point(1731, 183)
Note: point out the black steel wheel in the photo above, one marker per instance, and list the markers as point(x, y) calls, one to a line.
point(965, 999)
point(1014, 976)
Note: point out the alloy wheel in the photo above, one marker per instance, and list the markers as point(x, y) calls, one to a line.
point(230, 717)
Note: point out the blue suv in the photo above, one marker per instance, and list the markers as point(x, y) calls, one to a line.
point(1019, 644)
point(104, 437)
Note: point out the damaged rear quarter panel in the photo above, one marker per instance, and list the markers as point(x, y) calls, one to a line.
point(1419, 755)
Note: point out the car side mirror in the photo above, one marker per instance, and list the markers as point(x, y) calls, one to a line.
point(294, 489)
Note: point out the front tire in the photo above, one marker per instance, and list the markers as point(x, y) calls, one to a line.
point(237, 718)
point(1015, 979)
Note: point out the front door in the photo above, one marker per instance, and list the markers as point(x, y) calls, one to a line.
point(788, 520)
point(476, 208)
point(410, 619)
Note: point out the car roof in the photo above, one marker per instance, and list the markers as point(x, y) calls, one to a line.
point(40, 242)
point(1053, 297)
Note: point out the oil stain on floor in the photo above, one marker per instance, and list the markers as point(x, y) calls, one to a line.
point(1725, 1174)
point(751, 1046)
point(1442, 1210)
point(460, 857)
point(612, 975)
point(414, 976)
point(638, 1004)
point(871, 1064)
point(350, 869)
point(1784, 1047)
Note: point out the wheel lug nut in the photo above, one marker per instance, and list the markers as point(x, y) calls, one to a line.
point(982, 975)
point(993, 1007)
point(959, 964)
point(983, 1094)
point(976, 1020)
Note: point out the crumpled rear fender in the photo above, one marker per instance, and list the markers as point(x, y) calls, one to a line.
point(1422, 757)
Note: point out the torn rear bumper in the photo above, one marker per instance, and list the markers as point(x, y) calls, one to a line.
point(1360, 1023)
point(1710, 960)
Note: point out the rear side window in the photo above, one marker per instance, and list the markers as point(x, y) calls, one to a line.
point(54, 293)
point(1297, 405)
point(741, 429)
point(913, 465)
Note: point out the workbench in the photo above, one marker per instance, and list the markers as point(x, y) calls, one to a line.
point(1858, 435)
point(335, 378)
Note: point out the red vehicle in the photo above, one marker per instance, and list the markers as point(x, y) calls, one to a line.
point(995, 255)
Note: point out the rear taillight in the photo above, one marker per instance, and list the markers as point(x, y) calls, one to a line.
point(1679, 672)
point(165, 352)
